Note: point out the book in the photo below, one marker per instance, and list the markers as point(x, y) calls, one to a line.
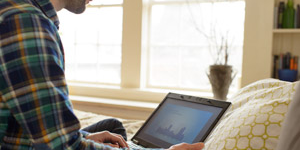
point(287, 60)
point(275, 17)
point(289, 15)
point(298, 17)
point(296, 63)
point(292, 64)
point(280, 61)
point(281, 9)
point(295, 17)
point(298, 67)
point(275, 66)
point(284, 62)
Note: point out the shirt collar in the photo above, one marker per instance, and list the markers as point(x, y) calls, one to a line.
point(47, 8)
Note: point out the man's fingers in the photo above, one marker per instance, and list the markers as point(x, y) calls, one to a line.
point(196, 146)
point(185, 146)
point(112, 145)
point(107, 137)
point(119, 140)
point(120, 136)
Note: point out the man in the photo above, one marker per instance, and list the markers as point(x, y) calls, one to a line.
point(35, 111)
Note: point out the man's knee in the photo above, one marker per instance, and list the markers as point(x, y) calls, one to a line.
point(114, 121)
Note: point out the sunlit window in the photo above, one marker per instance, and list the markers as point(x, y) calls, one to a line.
point(92, 42)
point(179, 38)
point(180, 34)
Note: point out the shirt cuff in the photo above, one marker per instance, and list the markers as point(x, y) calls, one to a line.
point(84, 133)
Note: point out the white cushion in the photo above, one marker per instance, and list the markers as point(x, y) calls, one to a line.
point(254, 121)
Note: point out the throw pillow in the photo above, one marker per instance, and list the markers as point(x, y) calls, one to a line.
point(254, 121)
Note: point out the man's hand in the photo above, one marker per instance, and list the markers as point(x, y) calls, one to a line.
point(185, 146)
point(111, 139)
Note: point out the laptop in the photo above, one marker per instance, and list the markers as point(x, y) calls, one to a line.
point(179, 118)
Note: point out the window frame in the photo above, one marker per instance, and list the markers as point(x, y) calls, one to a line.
point(146, 52)
point(78, 82)
point(135, 50)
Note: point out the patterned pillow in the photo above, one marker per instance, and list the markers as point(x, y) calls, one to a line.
point(255, 118)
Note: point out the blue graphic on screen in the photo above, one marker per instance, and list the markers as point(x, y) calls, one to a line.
point(176, 124)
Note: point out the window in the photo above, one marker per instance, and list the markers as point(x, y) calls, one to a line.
point(92, 42)
point(104, 45)
point(178, 53)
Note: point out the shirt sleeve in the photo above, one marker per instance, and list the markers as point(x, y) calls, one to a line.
point(33, 84)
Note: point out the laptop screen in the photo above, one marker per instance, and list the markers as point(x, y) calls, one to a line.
point(179, 121)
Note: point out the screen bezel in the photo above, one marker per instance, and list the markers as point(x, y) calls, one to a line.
point(192, 99)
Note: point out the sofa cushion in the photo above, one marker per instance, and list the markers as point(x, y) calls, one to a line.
point(254, 121)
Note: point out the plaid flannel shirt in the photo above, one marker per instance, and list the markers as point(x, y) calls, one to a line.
point(35, 111)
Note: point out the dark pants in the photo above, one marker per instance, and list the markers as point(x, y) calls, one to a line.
point(112, 125)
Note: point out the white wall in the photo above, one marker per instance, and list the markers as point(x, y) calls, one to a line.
point(257, 57)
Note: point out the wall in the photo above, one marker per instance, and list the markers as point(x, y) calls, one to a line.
point(257, 57)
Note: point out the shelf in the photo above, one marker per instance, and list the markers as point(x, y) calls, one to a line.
point(280, 31)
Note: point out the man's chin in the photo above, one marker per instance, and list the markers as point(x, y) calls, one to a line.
point(77, 10)
point(87, 1)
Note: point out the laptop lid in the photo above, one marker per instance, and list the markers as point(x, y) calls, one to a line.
point(180, 118)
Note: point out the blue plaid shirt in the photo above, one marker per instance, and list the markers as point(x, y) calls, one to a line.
point(35, 111)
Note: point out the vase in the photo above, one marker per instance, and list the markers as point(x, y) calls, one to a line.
point(220, 77)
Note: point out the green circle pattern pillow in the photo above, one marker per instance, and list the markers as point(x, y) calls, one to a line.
point(255, 118)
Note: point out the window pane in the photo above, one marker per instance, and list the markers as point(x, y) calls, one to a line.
point(169, 0)
point(183, 40)
point(106, 2)
point(92, 43)
point(164, 65)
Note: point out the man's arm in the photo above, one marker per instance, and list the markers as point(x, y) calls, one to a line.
point(33, 87)
point(33, 84)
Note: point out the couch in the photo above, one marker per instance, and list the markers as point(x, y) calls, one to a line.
point(253, 122)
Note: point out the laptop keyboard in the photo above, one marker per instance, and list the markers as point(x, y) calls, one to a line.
point(134, 146)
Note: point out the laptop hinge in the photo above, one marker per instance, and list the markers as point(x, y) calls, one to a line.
point(135, 141)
